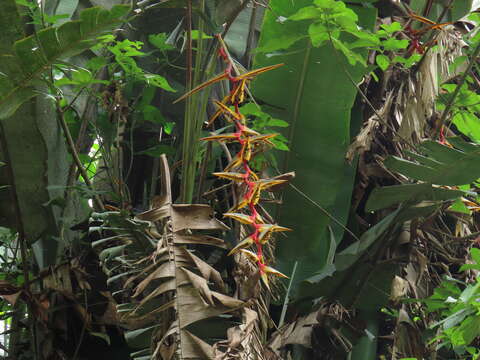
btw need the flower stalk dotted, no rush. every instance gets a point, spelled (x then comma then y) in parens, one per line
(239, 170)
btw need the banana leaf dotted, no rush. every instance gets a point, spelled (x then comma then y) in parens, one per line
(440, 164)
(315, 95)
(22, 67)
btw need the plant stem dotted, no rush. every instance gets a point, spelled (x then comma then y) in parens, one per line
(76, 159)
(185, 192)
(194, 110)
(449, 105)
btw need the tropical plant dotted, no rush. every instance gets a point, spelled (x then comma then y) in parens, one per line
(113, 239)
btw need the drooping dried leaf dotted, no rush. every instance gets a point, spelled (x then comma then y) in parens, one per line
(298, 332)
(195, 217)
(207, 271)
(172, 284)
(199, 239)
(195, 348)
(201, 285)
(192, 308)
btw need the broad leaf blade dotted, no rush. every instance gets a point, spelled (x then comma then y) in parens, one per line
(314, 95)
(34, 54)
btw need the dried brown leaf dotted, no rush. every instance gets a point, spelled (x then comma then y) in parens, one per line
(181, 239)
(165, 270)
(194, 347)
(207, 271)
(201, 285)
(298, 332)
(195, 217)
(192, 308)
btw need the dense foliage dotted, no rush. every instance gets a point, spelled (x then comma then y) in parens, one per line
(150, 151)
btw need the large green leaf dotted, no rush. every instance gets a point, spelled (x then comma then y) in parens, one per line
(440, 164)
(20, 69)
(25, 152)
(383, 197)
(315, 95)
(34, 149)
(63, 7)
(354, 279)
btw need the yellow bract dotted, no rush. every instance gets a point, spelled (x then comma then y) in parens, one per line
(251, 142)
(247, 76)
(242, 218)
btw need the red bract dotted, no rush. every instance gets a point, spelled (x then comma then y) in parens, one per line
(239, 169)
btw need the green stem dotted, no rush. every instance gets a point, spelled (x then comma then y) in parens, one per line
(194, 112)
(76, 159)
(451, 101)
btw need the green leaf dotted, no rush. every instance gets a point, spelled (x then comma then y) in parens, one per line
(391, 28)
(67, 7)
(468, 330)
(459, 9)
(160, 41)
(36, 152)
(383, 197)
(283, 41)
(308, 12)
(153, 114)
(54, 19)
(392, 44)
(127, 48)
(35, 54)
(80, 77)
(168, 127)
(457, 62)
(276, 122)
(96, 63)
(382, 61)
(158, 81)
(442, 165)
(158, 150)
(365, 39)
(468, 124)
(412, 60)
(280, 145)
(237, 35)
(470, 293)
(352, 57)
(29, 4)
(475, 254)
(302, 94)
(318, 34)
(351, 254)
(459, 207)
(195, 34)
(129, 65)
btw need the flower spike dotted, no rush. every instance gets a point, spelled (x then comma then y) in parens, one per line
(238, 170)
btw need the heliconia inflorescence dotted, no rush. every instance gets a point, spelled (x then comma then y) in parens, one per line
(239, 170)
